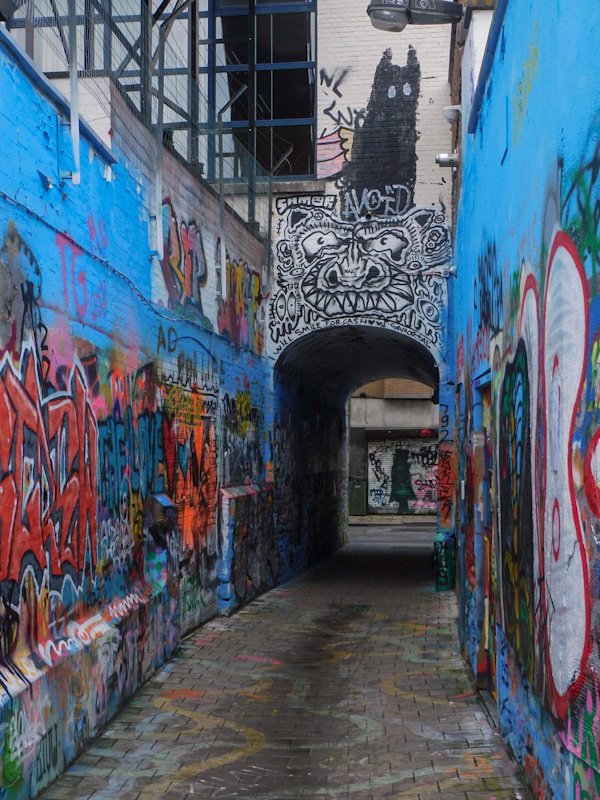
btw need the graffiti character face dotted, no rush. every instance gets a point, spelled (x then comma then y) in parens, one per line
(383, 270)
(352, 270)
(368, 267)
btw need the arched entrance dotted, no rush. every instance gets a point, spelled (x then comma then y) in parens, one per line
(316, 375)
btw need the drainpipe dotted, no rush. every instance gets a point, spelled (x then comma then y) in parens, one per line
(75, 174)
(222, 111)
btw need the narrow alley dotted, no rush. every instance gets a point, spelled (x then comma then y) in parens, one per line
(267, 266)
(346, 682)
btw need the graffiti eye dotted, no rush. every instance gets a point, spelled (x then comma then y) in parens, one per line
(313, 243)
(280, 306)
(333, 278)
(373, 273)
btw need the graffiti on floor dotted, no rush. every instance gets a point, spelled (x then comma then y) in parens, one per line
(209, 747)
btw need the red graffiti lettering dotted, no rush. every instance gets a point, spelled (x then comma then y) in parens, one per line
(47, 473)
(446, 480)
(63, 245)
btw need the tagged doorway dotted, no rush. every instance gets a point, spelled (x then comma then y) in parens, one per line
(402, 476)
(393, 449)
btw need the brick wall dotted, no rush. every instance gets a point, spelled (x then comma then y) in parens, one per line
(348, 52)
(135, 406)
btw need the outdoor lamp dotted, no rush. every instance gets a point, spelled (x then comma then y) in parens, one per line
(395, 15)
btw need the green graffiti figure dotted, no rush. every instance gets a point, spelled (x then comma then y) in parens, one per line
(12, 769)
(402, 490)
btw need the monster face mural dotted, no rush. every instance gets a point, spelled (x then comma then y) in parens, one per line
(351, 271)
(364, 255)
(382, 271)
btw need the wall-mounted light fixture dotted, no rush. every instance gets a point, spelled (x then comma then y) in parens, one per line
(451, 113)
(395, 15)
(447, 160)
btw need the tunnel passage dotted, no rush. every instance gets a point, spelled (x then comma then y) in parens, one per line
(316, 375)
(328, 364)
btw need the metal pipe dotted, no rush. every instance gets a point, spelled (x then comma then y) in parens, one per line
(220, 113)
(75, 174)
(59, 28)
(159, 141)
(252, 143)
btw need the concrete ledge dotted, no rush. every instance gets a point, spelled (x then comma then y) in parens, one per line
(390, 519)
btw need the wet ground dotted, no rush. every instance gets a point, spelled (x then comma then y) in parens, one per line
(345, 683)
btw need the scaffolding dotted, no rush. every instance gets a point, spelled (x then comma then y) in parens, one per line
(149, 49)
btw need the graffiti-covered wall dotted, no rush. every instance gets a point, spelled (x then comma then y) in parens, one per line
(382, 271)
(527, 403)
(402, 476)
(374, 247)
(379, 120)
(150, 469)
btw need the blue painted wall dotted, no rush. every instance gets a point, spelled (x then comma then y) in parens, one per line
(526, 306)
(149, 473)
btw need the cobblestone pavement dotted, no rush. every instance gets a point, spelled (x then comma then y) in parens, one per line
(345, 683)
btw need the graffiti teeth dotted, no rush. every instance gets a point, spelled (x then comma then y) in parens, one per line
(335, 305)
(388, 304)
(349, 302)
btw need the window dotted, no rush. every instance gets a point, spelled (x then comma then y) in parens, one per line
(268, 47)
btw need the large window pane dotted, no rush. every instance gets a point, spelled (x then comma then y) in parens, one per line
(272, 143)
(292, 94)
(291, 37)
(235, 34)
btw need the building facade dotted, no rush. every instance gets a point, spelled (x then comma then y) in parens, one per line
(525, 306)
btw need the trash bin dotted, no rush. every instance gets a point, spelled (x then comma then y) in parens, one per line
(443, 555)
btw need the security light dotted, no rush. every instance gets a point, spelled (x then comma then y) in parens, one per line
(451, 113)
(447, 160)
(395, 15)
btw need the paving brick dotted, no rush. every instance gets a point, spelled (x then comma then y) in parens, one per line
(331, 686)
